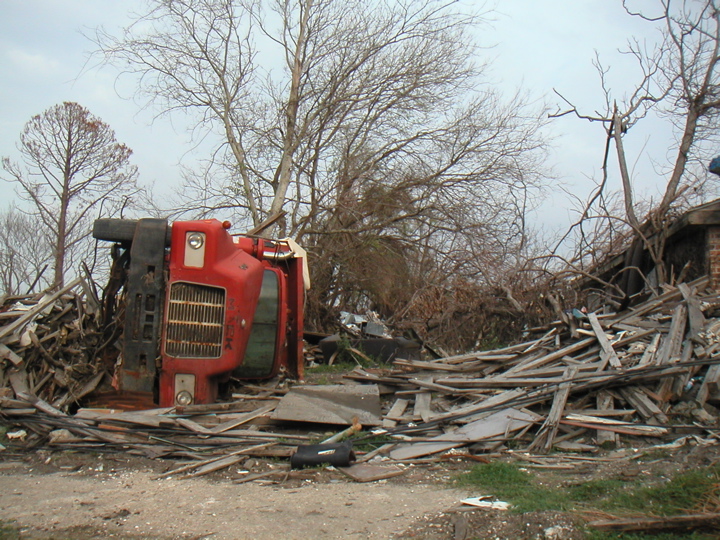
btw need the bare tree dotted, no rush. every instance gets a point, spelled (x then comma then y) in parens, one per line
(372, 128)
(681, 82)
(25, 253)
(73, 170)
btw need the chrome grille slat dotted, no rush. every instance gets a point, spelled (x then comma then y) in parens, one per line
(196, 314)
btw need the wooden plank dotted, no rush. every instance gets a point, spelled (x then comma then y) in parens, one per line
(545, 436)
(193, 426)
(396, 411)
(673, 342)
(243, 419)
(7, 354)
(684, 522)
(710, 384)
(696, 319)
(499, 424)
(648, 306)
(605, 404)
(608, 354)
(196, 465)
(468, 413)
(363, 472)
(648, 357)
(436, 366)
(7, 331)
(19, 382)
(331, 404)
(642, 403)
(594, 422)
(422, 403)
(75, 425)
(548, 358)
(216, 465)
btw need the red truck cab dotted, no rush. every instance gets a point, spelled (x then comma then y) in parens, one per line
(202, 305)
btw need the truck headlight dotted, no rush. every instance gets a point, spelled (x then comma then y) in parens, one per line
(184, 398)
(196, 240)
(194, 249)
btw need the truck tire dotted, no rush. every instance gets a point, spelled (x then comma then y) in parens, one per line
(115, 230)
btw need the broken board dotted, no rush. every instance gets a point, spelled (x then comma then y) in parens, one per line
(331, 404)
(498, 424)
(364, 472)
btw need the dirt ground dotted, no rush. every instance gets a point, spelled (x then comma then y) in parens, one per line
(81, 496)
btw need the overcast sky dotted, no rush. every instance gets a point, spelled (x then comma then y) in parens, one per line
(539, 45)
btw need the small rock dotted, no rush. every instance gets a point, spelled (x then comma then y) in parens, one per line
(557, 532)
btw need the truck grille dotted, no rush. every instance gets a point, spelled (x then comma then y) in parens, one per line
(196, 314)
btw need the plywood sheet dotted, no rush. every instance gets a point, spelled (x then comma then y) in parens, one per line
(331, 404)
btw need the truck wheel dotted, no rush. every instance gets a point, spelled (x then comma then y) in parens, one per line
(115, 230)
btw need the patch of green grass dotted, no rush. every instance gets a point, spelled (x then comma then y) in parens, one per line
(678, 495)
(507, 482)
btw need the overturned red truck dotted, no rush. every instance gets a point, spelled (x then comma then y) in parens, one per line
(202, 305)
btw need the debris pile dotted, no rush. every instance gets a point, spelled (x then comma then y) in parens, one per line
(52, 346)
(648, 374)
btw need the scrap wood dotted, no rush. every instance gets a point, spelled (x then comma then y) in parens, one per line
(7, 354)
(267, 474)
(331, 404)
(501, 423)
(684, 522)
(696, 318)
(395, 412)
(641, 402)
(7, 331)
(546, 435)
(243, 419)
(594, 422)
(605, 405)
(365, 472)
(220, 459)
(608, 353)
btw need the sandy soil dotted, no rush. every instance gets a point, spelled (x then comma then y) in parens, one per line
(129, 503)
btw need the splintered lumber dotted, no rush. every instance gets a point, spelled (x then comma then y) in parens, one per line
(364, 472)
(217, 465)
(21, 321)
(565, 351)
(605, 405)
(395, 412)
(546, 435)
(243, 419)
(641, 402)
(331, 404)
(226, 459)
(696, 319)
(608, 354)
(683, 522)
(423, 400)
(7, 354)
(628, 428)
(709, 384)
(671, 345)
(75, 425)
(500, 424)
